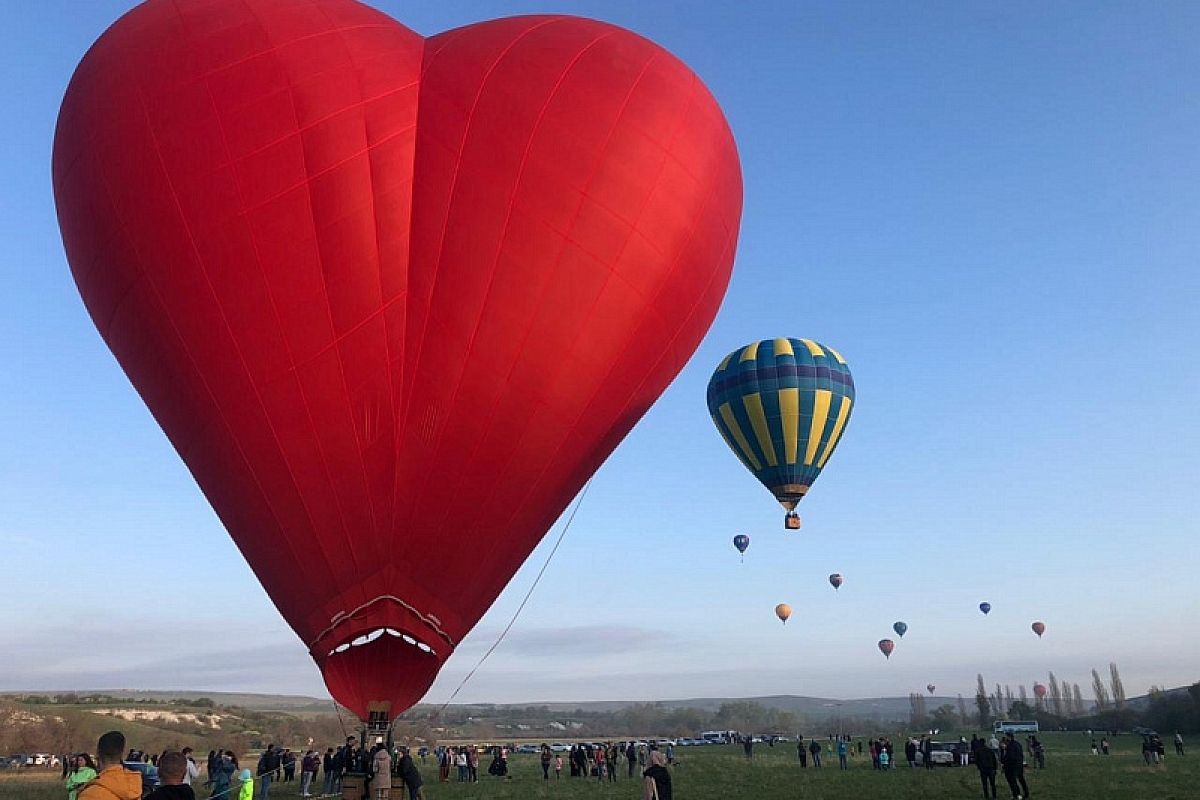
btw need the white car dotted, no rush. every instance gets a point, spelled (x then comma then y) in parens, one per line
(559, 747)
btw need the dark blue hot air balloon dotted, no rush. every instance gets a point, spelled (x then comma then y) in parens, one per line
(900, 628)
(985, 607)
(741, 542)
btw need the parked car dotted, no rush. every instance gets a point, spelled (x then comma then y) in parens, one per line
(943, 753)
(528, 748)
(559, 747)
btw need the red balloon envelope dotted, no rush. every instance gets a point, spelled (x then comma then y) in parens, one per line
(1039, 690)
(392, 299)
(1039, 628)
(886, 646)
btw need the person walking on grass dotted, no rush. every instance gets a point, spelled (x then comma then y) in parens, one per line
(113, 782)
(1013, 762)
(985, 762)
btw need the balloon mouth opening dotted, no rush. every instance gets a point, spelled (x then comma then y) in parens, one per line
(369, 637)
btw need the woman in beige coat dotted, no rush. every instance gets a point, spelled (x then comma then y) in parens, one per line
(381, 768)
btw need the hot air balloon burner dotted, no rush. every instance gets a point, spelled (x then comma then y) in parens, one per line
(379, 717)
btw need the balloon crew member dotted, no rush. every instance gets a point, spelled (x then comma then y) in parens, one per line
(985, 762)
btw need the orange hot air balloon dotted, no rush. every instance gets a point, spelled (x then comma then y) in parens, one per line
(1039, 628)
(392, 299)
(886, 646)
(835, 580)
(783, 611)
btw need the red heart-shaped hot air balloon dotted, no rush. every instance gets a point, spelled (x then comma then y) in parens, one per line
(392, 299)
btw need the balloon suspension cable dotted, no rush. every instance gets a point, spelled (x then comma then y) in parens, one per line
(525, 600)
(341, 721)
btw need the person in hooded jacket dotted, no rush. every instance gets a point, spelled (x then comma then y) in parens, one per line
(381, 769)
(172, 770)
(114, 781)
(246, 788)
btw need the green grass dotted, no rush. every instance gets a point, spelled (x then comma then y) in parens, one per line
(720, 773)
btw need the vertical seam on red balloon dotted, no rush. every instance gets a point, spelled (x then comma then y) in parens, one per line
(420, 344)
(517, 506)
(362, 461)
(701, 299)
(183, 344)
(553, 93)
(217, 303)
(654, 54)
(299, 384)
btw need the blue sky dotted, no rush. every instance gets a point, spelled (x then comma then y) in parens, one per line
(992, 210)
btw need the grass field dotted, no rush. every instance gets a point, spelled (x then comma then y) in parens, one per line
(720, 773)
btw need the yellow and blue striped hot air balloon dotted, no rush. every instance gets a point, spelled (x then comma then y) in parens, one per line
(782, 405)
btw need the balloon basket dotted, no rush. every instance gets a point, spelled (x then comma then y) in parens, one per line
(354, 786)
(791, 521)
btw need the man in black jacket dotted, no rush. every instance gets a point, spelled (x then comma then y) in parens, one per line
(172, 768)
(985, 762)
(1013, 761)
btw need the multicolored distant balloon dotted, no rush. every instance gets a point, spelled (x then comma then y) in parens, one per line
(930, 687)
(783, 611)
(985, 607)
(1039, 690)
(356, 310)
(781, 406)
(835, 580)
(900, 628)
(1039, 628)
(886, 646)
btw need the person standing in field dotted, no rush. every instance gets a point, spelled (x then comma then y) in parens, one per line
(1104, 746)
(308, 772)
(748, 746)
(1013, 762)
(802, 752)
(815, 750)
(245, 785)
(327, 765)
(82, 770)
(114, 782)
(630, 757)
(547, 759)
(558, 768)
(985, 762)
(406, 768)
(656, 779)
(172, 769)
(381, 769)
(842, 750)
(614, 756)
(1178, 744)
(221, 775)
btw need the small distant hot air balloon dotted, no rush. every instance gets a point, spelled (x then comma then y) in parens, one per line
(741, 542)
(1039, 690)
(782, 405)
(985, 607)
(1039, 628)
(835, 580)
(930, 687)
(886, 646)
(900, 628)
(783, 611)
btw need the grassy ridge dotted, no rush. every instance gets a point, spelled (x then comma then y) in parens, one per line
(719, 773)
